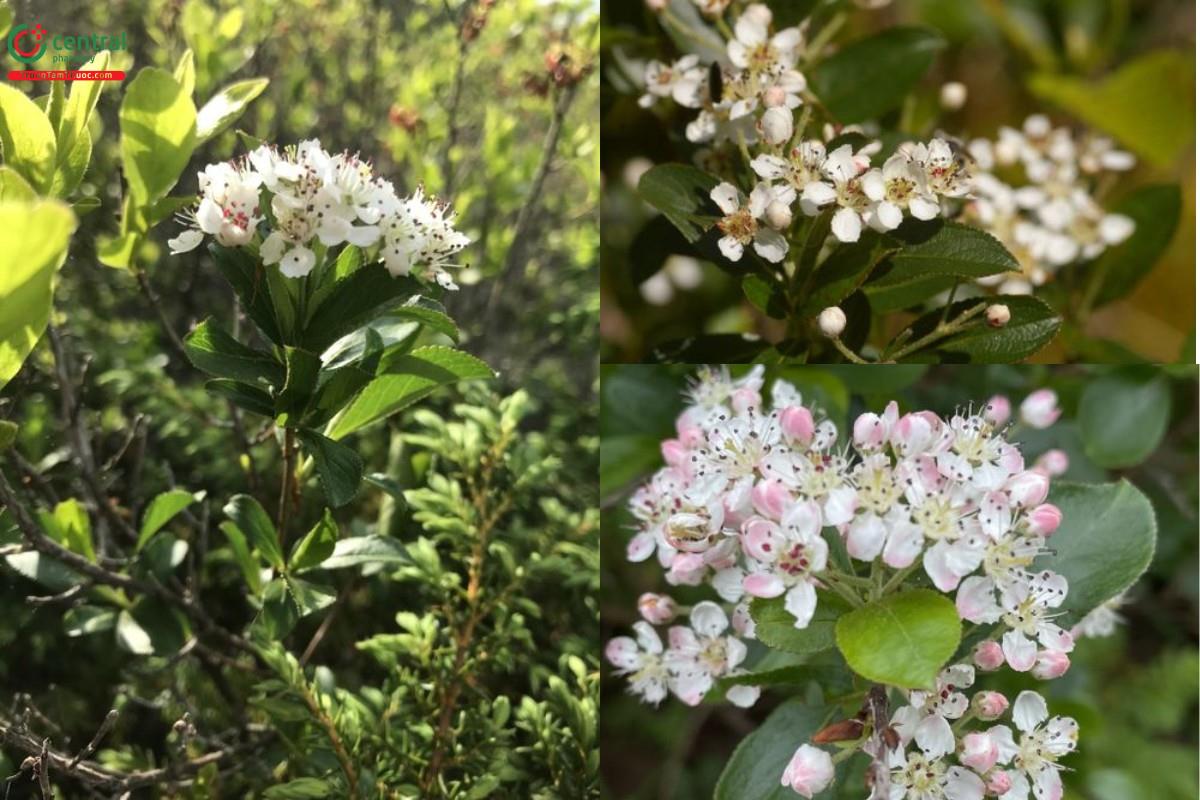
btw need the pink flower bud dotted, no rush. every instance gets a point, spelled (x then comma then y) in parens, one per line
(673, 452)
(809, 771)
(979, 752)
(988, 656)
(744, 399)
(870, 431)
(1040, 409)
(657, 609)
(998, 783)
(1028, 488)
(1053, 463)
(998, 410)
(1050, 664)
(770, 498)
(1045, 519)
(797, 424)
(690, 434)
(989, 705)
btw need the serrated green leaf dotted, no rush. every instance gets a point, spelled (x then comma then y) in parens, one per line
(1032, 326)
(844, 270)
(79, 107)
(1104, 544)
(243, 395)
(339, 467)
(901, 640)
(752, 772)
(776, 627)
(214, 351)
(249, 516)
(358, 550)
(316, 545)
(241, 555)
(352, 302)
(248, 279)
(162, 509)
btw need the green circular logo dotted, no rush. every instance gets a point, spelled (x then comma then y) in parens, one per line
(27, 43)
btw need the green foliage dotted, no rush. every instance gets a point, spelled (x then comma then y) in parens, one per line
(776, 627)
(754, 768)
(871, 76)
(1123, 416)
(901, 639)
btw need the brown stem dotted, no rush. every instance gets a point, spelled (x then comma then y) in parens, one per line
(331, 733)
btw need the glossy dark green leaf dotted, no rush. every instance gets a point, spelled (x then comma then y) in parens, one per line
(86, 620)
(309, 597)
(657, 241)
(252, 519)
(871, 76)
(1104, 544)
(316, 545)
(844, 270)
(217, 353)
(681, 193)
(623, 459)
(243, 395)
(150, 627)
(352, 302)
(752, 772)
(901, 640)
(303, 369)
(1032, 326)
(358, 550)
(241, 555)
(766, 295)
(248, 279)
(1155, 210)
(944, 248)
(1123, 416)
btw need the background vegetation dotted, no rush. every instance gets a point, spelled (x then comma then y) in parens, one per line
(433, 690)
(1134, 693)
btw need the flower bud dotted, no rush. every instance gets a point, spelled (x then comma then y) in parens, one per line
(988, 656)
(953, 96)
(1053, 463)
(1040, 409)
(989, 705)
(1050, 664)
(998, 315)
(832, 321)
(809, 771)
(657, 609)
(998, 783)
(979, 752)
(1028, 488)
(673, 452)
(779, 215)
(1045, 519)
(776, 125)
(745, 399)
(689, 433)
(998, 410)
(770, 498)
(796, 422)
(774, 97)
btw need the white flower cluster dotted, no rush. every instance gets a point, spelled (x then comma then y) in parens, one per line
(307, 196)
(992, 760)
(1035, 190)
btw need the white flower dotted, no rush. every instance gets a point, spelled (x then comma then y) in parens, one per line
(642, 660)
(899, 187)
(1027, 609)
(1044, 740)
(419, 232)
(802, 167)
(809, 771)
(925, 718)
(776, 125)
(740, 225)
(700, 654)
(754, 49)
(918, 776)
(684, 82)
(228, 208)
(792, 552)
(843, 169)
(945, 173)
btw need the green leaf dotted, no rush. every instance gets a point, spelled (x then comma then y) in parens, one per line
(339, 467)
(72, 166)
(158, 134)
(150, 627)
(429, 314)
(309, 597)
(1123, 416)
(944, 248)
(279, 612)
(303, 369)
(764, 294)
(844, 270)
(162, 509)
(869, 77)
(243, 395)
(776, 627)
(885, 297)
(623, 459)
(407, 379)
(1104, 544)
(1149, 104)
(316, 546)
(162, 555)
(47, 571)
(214, 351)
(185, 72)
(352, 302)
(33, 244)
(1032, 326)
(681, 192)
(14, 188)
(225, 106)
(247, 277)
(73, 528)
(86, 620)
(1155, 210)
(250, 517)
(299, 789)
(752, 772)
(714, 348)
(902, 640)
(79, 108)
(27, 138)
(359, 550)
(8, 434)
(241, 554)
(6, 18)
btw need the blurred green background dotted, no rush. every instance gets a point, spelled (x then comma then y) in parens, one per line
(1123, 67)
(1134, 693)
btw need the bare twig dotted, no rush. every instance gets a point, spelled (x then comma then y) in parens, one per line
(110, 719)
(323, 629)
(164, 320)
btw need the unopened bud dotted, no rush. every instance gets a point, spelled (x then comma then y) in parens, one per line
(832, 321)
(998, 410)
(1053, 463)
(998, 783)
(1045, 519)
(776, 125)
(979, 752)
(1028, 488)
(1050, 664)
(657, 609)
(998, 315)
(796, 422)
(989, 705)
(953, 96)
(1040, 409)
(988, 656)
(779, 215)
